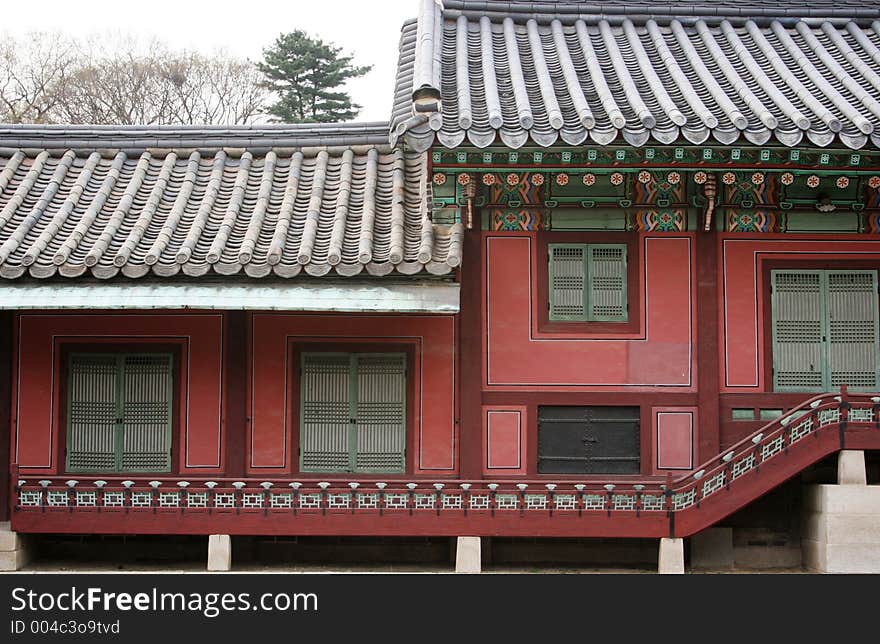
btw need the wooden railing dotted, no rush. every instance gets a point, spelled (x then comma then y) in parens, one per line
(632, 507)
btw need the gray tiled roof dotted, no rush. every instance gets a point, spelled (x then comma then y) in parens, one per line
(199, 200)
(580, 72)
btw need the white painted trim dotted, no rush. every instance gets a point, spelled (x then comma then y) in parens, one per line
(658, 417)
(413, 297)
(519, 434)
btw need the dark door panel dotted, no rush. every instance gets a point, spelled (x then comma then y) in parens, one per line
(588, 440)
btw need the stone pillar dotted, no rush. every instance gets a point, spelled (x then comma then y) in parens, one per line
(219, 552)
(712, 549)
(467, 555)
(851, 467)
(671, 560)
(840, 532)
(14, 551)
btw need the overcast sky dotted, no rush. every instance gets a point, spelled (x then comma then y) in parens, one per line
(367, 28)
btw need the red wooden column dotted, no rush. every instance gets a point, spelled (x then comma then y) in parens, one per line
(235, 423)
(470, 370)
(5, 409)
(707, 346)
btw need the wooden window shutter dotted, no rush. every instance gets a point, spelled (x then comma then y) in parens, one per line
(852, 329)
(92, 413)
(607, 279)
(326, 412)
(119, 412)
(381, 413)
(798, 330)
(146, 404)
(567, 280)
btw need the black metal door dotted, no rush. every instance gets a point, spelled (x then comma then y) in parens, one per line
(588, 440)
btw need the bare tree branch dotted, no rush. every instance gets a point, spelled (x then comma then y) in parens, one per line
(45, 78)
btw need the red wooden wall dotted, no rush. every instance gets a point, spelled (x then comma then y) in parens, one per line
(37, 396)
(744, 359)
(5, 409)
(274, 339)
(234, 417)
(650, 362)
(743, 297)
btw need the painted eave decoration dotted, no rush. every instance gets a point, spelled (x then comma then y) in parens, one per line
(259, 201)
(753, 72)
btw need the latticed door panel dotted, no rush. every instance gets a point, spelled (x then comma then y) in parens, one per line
(92, 413)
(825, 330)
(568, 275)
(607, 279)
(326, 412)
(146, 412)
(798, 330)
(381, 412)
(119, 412)
(353, 412)
(852, 329)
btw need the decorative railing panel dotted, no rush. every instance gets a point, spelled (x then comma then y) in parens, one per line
(740, 466)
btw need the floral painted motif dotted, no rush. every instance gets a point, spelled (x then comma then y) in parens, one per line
(842, 182)
(729, 178)
(758, 178)
(674, 178)
(616, 178)
(812, 181)
(439, 178)
(701, 178)
(787, 178)
(537, 179)
(874, 182)
(589, 179)
(489, 179)
(464, 179)
(512, 179)
(645, 176)
(561, 179)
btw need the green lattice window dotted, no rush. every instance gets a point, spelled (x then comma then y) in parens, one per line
(119, 412)
(353, 412)
(825, 330)
(588, 282)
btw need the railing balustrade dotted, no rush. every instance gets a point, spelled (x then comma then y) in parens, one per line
(629, 496)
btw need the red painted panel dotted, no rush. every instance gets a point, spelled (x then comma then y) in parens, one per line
(741, 296)
(661, 357)
(504, 447)
(674, 437)
(38, 400)
(434, 419)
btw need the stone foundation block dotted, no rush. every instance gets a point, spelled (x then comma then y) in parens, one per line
(671, 560)
(219, 552)
(851, 468)
(467, 555)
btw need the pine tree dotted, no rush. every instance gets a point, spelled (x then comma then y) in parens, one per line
(304, 72)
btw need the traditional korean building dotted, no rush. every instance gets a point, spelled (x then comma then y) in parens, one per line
(610, 271)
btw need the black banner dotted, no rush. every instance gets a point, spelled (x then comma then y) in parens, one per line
(216, 608)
